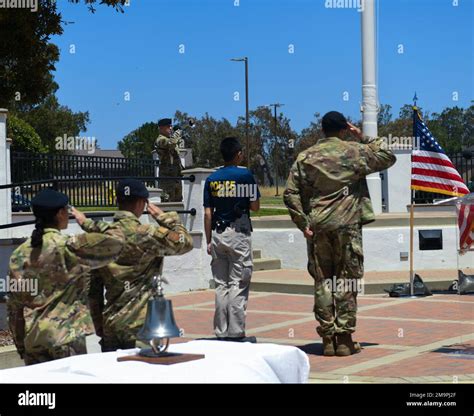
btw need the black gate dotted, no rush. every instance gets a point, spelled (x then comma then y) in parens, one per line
(27, 167)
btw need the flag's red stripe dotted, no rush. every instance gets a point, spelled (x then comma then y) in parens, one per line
(466, 232)
(433, 160)
(439, 186)
(436, 173)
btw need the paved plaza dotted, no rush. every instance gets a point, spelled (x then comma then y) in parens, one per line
(404, 340)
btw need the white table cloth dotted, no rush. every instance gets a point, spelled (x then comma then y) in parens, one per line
(225, 362)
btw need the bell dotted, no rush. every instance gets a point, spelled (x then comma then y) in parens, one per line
(159, 324)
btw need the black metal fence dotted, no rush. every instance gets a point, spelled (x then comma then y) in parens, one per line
(27, 167)
(464, 163)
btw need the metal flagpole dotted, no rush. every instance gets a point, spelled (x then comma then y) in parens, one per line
(369, 94)
(412, 213)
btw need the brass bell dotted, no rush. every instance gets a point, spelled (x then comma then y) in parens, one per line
(159, 324)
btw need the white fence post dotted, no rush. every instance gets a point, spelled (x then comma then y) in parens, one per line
(5, 176)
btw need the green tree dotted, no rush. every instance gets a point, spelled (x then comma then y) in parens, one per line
(24, 137)
(27, 57)
(453, 128)
(51, 120)
(205, 137)
(140, 142)
(310, 135)
(270, 143)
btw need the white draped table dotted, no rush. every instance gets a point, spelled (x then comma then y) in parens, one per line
(225, 362)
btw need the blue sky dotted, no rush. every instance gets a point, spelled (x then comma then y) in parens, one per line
(138, 52)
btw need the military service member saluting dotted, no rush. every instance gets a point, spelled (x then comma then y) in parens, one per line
(128, 280)
(328, 200)
(53, 322)
(167, 146)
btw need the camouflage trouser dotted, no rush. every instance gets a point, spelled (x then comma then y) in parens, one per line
(336, 262)
(113, 342)
(77, 347)
(172, 189)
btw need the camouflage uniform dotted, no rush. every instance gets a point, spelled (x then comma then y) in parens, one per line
(128, 280)
(53, 323)
(170, 165)
(327, 192)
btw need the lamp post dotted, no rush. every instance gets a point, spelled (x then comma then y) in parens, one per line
(275, 106)
(246, 61)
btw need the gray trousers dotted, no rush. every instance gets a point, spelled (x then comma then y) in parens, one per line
(232, 268)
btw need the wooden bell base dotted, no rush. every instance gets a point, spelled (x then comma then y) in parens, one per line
(165, 359)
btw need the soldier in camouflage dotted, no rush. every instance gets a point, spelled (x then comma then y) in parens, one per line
(328, 200)
(167, 146)
(128, 280)
(52, 321)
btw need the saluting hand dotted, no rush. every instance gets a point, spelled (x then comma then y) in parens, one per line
(308, 233)
(153, 209)
(354, 130)
(78, 215)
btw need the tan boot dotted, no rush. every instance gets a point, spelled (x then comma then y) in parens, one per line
(329, 346)
(345, 345)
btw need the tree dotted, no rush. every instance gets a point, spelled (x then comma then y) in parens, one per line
(385, 114)
(310, 135)
(140, 143)
(269, 143)
(453, 128)
(24, 137)
(51, 120)
(205, 138)
(27, 57)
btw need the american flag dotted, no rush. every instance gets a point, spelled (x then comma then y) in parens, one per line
(431, 169)
(466, 223)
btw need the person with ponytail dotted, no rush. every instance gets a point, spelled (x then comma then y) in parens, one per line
(48, 315)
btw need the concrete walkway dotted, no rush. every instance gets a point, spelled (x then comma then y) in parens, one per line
(300, 281)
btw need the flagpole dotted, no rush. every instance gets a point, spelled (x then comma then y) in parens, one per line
(412, 273)
(412, 213)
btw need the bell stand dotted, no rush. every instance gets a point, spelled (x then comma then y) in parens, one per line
(158, 354)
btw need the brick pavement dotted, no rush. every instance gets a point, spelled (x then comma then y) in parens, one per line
(404, 340)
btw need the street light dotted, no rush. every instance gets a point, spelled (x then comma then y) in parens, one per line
(275, 106)
(246, 60)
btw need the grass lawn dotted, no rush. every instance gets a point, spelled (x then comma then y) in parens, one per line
(268, 196)
(261, 213)
(269, 211)
(100, 209)
(272, 200)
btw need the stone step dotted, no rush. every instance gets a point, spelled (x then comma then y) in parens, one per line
(300, 282)
(260, 264)
(257, 254)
